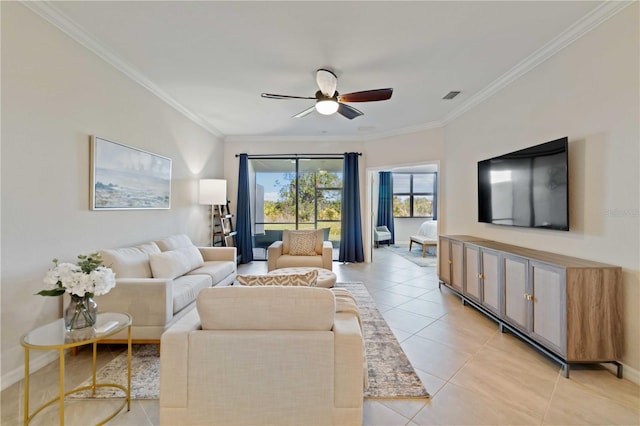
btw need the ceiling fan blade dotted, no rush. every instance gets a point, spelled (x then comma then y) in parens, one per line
(367, 96)
(327, 82)
(272, 96)
(349, 111)
(305, 112)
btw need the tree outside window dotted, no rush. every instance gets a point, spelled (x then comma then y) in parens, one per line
(308, 199)
(414, 194)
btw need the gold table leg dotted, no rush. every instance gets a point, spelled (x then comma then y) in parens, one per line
(93, 368)
(61, 380)
(129, 368)
(26, 386)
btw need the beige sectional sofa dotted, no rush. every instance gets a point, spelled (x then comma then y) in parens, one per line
(157, 282)
(265, 355)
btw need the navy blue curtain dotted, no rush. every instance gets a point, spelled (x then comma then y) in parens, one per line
(244, 244)
(351, 249)
(435, 196)
(385, 202)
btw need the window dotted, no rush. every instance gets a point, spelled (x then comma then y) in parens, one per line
(298, 193)
(415, 194)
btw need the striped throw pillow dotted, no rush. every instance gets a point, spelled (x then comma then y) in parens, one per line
(310, 279)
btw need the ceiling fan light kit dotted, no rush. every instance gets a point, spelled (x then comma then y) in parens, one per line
(329, 101)
(327, 106)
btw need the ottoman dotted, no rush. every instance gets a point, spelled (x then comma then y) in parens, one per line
(326, 278)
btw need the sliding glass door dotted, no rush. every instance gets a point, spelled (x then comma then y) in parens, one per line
(295, 193)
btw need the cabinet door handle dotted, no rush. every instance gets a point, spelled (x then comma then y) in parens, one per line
(528, 296)
(451, 262)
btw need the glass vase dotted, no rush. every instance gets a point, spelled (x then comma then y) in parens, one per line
(81, 313)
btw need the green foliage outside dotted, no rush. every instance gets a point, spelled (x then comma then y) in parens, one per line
(422, 206)
(325, 188)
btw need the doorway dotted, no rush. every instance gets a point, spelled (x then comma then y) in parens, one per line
(414, 202)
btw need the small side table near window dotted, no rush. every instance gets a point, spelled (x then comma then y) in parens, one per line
(53, 336)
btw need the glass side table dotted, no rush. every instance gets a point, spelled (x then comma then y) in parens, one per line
(53, 336)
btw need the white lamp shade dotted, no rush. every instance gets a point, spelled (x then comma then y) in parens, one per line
(213, 191)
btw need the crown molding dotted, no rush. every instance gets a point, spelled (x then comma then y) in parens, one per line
(581, 27)
(53, 15)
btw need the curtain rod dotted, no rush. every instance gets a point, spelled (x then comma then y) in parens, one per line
(294, 155)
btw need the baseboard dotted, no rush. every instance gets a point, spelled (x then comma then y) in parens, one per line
(35, 364)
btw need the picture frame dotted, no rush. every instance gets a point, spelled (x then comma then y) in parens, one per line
(128, 178)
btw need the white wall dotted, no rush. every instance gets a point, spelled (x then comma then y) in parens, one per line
(590, 93)
(55, 93)
(426, 147)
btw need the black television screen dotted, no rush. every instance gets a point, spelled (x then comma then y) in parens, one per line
(526, 188)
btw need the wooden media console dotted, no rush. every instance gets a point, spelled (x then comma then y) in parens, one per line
(569, 308)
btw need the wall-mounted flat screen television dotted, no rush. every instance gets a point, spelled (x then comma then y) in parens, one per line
(528, 188)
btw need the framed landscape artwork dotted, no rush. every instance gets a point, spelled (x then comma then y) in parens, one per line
(124, 178)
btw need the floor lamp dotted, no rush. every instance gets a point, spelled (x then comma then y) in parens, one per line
(213, 192)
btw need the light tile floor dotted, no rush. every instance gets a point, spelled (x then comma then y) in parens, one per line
(474, 373)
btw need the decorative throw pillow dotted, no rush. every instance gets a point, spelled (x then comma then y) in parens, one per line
(130, 262)
(310, 279)
(174, 242)
(169, 264)
(320, 240)
(193, 255)
(302, 243)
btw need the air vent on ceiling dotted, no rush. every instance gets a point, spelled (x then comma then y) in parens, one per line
(451, 95)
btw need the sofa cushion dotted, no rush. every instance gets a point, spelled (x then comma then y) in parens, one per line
(288, 261)
(309, 279)
(187, 288)
(266, 308)
(130, 262)
(174, 242)
(216, 269)
(169, 264)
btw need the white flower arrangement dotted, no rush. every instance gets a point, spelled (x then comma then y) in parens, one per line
(86, 279)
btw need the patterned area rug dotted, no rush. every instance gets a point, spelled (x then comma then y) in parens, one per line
(145, 375)
(415, 255)
(391, 375)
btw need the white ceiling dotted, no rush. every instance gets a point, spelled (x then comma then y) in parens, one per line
(212, 60)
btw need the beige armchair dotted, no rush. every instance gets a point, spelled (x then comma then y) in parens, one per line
(301, 248)
(266, 355)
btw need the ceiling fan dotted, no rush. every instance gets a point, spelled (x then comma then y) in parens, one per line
(329, 101)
